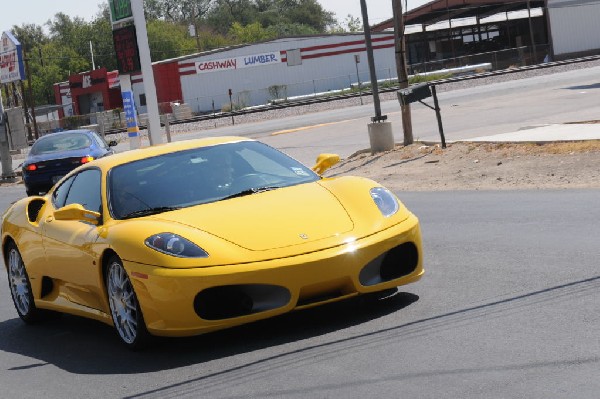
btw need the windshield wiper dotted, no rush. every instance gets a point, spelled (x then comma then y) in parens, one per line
(251, 191)
(150, 211)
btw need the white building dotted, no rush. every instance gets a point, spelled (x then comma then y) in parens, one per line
(261, 72)
(574, 27)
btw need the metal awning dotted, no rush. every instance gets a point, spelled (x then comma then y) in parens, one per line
(438, 11)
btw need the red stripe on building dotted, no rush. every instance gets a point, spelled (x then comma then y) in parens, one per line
(347, 51)
(345, 44)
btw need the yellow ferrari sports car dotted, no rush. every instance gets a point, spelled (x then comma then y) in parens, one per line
(200, 235)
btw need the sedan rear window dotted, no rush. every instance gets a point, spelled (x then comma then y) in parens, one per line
(60, 142)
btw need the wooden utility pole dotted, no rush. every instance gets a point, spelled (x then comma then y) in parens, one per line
(31, 99)
(401, 68)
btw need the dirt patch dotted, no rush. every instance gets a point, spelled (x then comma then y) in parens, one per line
(476, 166)
(480, 166)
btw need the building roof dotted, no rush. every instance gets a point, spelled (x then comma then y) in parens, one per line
(443, 10)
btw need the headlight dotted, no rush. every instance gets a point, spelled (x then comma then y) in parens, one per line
(385, 201)
(172, 244)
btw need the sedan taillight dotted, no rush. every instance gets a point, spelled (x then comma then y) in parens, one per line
(86, 159)
(31, 167)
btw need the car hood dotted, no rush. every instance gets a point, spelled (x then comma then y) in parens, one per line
(280, 218)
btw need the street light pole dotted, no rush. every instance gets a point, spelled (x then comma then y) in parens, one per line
(381, 136)
(139, 21)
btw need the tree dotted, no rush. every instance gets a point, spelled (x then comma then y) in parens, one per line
(30, 35)
(350, 24)
(168, 40)
(308, 12)
(177, 10)
(251, 33)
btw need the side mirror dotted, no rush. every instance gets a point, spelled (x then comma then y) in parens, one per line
(77, 212)
(324, 162)
(112, 143)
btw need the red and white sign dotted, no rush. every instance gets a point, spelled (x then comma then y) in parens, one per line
(11, 59)
(245, 61)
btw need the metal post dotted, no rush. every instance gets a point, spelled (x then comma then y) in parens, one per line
(438, 115)
(101, 127)
(167, 127)
(231, 107)
(5, 157)
(356, 61)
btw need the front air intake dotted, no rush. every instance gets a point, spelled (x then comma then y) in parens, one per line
(397, 262)
(229, 301)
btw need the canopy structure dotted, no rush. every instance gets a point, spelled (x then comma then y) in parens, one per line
(449, 33)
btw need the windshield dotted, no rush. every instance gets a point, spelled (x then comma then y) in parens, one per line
(60, 142)
(201, 175)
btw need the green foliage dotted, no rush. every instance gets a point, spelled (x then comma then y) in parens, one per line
(250, 33)
(292, 29)
(176, 10)
(428, 78)
(30, 36)
(169, 40)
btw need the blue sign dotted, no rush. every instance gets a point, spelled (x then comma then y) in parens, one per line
(130, 115)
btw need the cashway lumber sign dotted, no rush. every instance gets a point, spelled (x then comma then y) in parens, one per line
(12, 67)
(238, 62)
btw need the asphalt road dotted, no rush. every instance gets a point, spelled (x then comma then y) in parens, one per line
(466, 113)
(508, 308)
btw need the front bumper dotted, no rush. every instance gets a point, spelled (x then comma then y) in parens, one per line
(167, 296)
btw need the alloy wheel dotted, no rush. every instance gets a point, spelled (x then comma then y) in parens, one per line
(123, 303)
(19, 283)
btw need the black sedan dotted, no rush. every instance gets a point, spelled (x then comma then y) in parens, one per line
(56, 154)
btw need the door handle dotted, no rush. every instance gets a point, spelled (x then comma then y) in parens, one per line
(49, 219)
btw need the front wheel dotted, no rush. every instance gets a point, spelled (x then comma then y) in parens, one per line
(124, 307)
(20, 287)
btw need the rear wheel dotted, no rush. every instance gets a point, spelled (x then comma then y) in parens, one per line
(20, 287)
(124, 306)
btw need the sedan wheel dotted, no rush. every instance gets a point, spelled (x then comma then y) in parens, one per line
(124, 307)
(20, 287)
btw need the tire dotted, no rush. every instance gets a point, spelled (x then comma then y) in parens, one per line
(20, 287)
(124, 306)
(31, 191)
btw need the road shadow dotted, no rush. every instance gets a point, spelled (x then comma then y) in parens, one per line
(584, 87)
(305, 357)
(85, 346)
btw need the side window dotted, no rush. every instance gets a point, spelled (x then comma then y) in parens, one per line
(263, 164)
(85, 190)
(60, 194)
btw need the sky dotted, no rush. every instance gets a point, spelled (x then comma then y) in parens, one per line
(15, 12)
